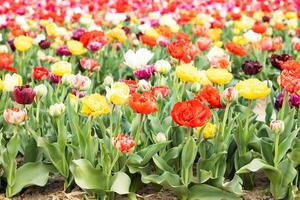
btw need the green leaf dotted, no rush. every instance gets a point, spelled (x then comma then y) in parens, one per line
(168, 180)
(120, 183)
(55, 155)
(207, 192)
(161, 164)
(88, 177)
(189, 152)
(30, 174)
(286, 144)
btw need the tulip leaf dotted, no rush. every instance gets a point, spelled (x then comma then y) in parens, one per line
(120, 183)
(286, 144)
(207, 192)
(30, 174)
(88, 177)
(189, 152)
(167, 180)
(161, 164)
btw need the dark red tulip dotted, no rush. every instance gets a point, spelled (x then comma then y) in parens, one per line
(24, 94)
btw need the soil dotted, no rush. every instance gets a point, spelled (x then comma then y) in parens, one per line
(54, 191)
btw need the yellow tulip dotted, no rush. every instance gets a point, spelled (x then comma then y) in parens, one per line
(215, 34)
(23, 43)
(219, 75)
(94, 105)
(187, 73)
(252, 89)
(51, 29)
(209, 131)
(76, 47)
(118, 93)
(61, 68)
(153, 33)
(291, 15)
(240, 40)
(116, 34)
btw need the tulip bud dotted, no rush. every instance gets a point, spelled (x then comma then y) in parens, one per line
(144, 85)
(67, 79)
(230, 94)
(160, 137)
(41, 90)
(195, 87)
(57, 109)
(277, 126)
(108, 80)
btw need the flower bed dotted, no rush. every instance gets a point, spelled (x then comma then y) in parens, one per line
(192, 99)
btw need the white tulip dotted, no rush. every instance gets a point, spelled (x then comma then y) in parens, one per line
(138, 59)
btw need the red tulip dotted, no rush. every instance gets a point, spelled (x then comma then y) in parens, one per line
(191, 113)
(40, 73)
(143, 103)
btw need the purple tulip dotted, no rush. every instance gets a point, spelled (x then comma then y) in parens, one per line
(63, 51)
(145, 72)
(24, 94)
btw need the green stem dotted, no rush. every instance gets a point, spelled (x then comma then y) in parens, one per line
(246, 132)
(113, 163)
(138, 133)
(111, 120)
(276, 161)
(225, 119)
(38, 110)
(183, 90)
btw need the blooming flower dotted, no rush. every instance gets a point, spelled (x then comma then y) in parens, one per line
(39, 73)
(145, 72)
(138, 59)
(10, 81)
(251, 67)
(219, 75)
(144, 103)
(76, 47)
(94, 105)
(24, 94)
(191, 113)
(252, 89)
(209, 131)
(89, 64)
(209, 95)
(61, 68)
(14, 115)
(23, 43)
(187, 73)
(118, 94)
(124, 143)
(162, 66)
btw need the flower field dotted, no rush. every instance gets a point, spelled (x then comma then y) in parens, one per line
(194, 97)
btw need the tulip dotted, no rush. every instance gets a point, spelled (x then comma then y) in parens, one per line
(95, 105)
(251, 67)
(209, 131)
(61, 68)
(76, 47)
(89, 64)
(277, 126)
(23, 43)
(162, 66)
(41, 90)
(10, 81)
(161, 137)
(56, 109)
(138, 59)
(14, 115)
(145, 72)
(124, 143)
(230, 94)
(118, 94)
(24, 94)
